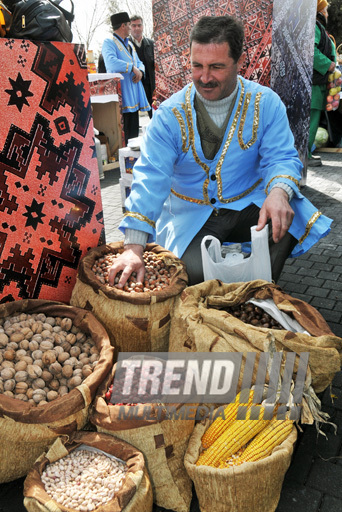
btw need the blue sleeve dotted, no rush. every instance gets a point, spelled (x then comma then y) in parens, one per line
(152, 174)
(113, 63)
(279, 160)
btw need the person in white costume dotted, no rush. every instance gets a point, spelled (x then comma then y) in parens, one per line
(217, 158)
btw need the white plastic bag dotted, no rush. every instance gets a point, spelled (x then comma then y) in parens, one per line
(235, 270)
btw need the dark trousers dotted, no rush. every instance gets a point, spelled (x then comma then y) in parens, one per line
(131, 125)
(233, 226)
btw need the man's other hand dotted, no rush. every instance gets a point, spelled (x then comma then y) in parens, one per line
(277, 208)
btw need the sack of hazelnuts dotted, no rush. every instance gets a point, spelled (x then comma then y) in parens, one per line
(217, 317)
(53, 357)
(136, 318)
(162, 440)
(88, 472)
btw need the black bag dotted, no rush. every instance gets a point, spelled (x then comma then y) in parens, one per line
(41, 20)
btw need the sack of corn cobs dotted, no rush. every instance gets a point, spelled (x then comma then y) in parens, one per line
(53, 357)
(162, 441)
(90, 471)
(201, 323)
(238, 465)
(136, 320)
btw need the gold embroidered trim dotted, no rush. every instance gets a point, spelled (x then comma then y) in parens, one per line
(189, 119)
(226, 146)
(309, 225)
(138, 216)
(250, 143)
(187, 198)
(231, 200)
(122, 48)
(291, 178)
(185, 143)
(205, 167)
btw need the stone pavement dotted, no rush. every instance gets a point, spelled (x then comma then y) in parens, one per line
(313, 481)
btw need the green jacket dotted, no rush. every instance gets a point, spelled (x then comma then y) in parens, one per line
(321, 64)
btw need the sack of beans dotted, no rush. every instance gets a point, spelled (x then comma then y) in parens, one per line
(53, 357)
(249, 476)
(89, 472)
(217, 317)
(162, 440)
(137, 318)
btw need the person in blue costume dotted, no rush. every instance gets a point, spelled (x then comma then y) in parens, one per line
(120, 56)
(217, 158)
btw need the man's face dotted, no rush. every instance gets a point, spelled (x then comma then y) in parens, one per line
(127, 29)
(137, 29)
(214, 72)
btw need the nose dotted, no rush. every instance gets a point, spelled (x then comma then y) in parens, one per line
(205, 75)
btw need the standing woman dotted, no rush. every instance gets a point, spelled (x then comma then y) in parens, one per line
(324, 63)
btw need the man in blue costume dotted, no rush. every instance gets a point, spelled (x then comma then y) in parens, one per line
(217, 158)
(120, 56)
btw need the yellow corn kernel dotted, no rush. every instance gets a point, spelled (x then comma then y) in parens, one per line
(233, 438)
(230, 412)
(270, 437)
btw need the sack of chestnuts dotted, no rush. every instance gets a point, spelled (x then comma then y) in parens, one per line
(213, 316)
(53, 358)
(136, 318)
(89, 472)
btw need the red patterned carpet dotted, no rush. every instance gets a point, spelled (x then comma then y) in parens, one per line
(173, 20)
(50, 201)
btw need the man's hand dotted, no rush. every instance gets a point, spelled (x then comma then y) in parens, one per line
(131, 260)
(332, 66)
(277, 208)
(137, 75)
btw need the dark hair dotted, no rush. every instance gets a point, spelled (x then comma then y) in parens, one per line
(136, 17)
(118, 25)
(218, 30)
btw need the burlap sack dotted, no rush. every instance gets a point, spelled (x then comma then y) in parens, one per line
(162, 441)
(134, 496)
(135, 322)
(254, 486)
(27, 430)
(198, 327)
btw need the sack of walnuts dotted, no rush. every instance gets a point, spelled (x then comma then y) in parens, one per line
(136, 318)
(53, 359)
(90, 471)
(208, 318)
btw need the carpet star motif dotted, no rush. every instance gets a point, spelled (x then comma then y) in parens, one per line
(34, 214)
(19, 92)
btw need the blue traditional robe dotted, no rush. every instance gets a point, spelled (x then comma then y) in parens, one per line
(118, 59)
(175, 188)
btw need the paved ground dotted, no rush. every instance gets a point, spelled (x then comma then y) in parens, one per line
(313, 481)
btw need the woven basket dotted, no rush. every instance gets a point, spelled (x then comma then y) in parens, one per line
(162, 441)
(135, 495)
(339, 54)
(26, 431)
(135, 322)
(252, 486)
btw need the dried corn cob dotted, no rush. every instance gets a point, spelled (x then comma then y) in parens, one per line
(233, 460)
(270, 437)
(220, 425)
(232, 439)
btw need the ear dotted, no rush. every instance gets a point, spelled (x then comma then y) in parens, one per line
(241, 61)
